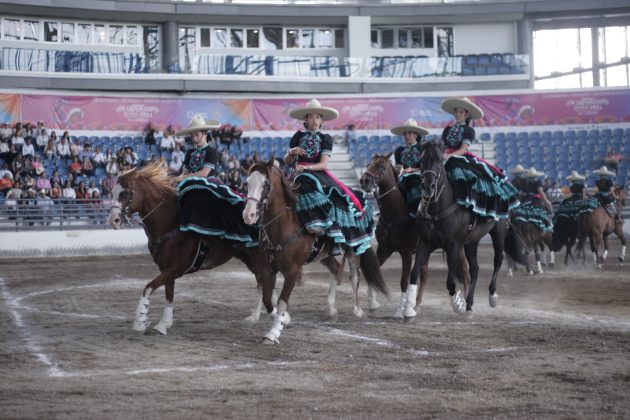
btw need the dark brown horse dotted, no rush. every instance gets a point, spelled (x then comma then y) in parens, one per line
(150, 193)
(565, 234)
(395, 231)
(598, 225)
(534, 239)
(271, 201)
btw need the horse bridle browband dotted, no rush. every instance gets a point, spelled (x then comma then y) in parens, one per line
(376, 178)
(433, 198)
(125, 211)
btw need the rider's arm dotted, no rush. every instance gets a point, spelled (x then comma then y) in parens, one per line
(544, 198)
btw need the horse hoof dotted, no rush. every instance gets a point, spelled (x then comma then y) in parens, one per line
(494, 300)
(286, 319)
(530, 272)
(398, 315)
(249, 322)
(161, 328)
(510, 273)
(458, 303)
(268, 342)
(409, 318)
(140, 326)
(599, 266)
(374, 306)
(552, 265)
(358, 312)
(469, 313)
(333, 315)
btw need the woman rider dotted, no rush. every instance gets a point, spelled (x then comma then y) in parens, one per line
(570, 207)
(605, 195)
(326, 207)
(407, 157)
(536, 206)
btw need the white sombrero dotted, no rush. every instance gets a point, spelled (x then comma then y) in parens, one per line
(410, 125)
(575, 176)
(604, 171)
(314, 107)
(518, 169)
(449, 105)
(198, 124)
(533, 173)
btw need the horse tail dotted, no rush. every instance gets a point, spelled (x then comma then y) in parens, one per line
(372, 272)
(515, 246)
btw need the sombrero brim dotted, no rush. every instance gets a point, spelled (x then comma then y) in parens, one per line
(534, 174)
(401, 130)
(210, 125)
(517, 170)
(326, 113)
(450, 104)
(576, 178)
(606, 173)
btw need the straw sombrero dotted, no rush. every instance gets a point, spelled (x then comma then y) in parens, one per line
(410, 125)
(198, 124)
(533, 173)
(518, 169)
(604, 171)
(449, 105)
(314, 107)
(575, 176)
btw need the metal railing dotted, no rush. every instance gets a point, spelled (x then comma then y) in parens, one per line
(60, 214)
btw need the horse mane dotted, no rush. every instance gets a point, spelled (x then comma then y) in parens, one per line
(431, 153)
(155, 175)
(287, 186)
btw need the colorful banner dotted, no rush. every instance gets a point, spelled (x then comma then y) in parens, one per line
(120, 113)
(130, 113)
(10, 108)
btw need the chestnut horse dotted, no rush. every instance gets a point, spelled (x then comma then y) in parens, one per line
(534, 239)
(443, 223)
(151, 193)
(395, 231)
(270, 201)
(598, 225)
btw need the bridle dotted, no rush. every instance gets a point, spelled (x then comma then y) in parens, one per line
(126, 216)
(375, 178)
(434, 197)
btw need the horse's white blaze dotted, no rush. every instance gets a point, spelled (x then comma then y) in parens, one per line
(255, 185)
(114, 219)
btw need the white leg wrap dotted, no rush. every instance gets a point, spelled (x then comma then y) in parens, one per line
(276, 329)
(458, 303)
(622, 256)
(373, 302)
(539, 268)
(410, 301)
(510, 273)
(332, 305)
(552, 258)
(141, 322)
(494, 300)
(255, 316)
(605, 255)
(401, 306)
(167, 320)
(595, 258)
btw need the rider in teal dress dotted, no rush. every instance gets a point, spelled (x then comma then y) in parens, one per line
(570, 207)
(535, 207)
(605, 196)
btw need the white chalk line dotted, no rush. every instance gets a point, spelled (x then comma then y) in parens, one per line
(31, 342)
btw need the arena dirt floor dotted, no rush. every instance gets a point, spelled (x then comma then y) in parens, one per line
(557, 346)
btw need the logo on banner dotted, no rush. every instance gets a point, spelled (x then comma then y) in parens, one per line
(138, 112)
(588, 106)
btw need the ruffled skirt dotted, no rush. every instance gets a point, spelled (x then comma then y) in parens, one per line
(533, 212)
(409, 186)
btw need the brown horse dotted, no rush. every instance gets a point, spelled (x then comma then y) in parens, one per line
(534, 239)
(395, 231)
(598, 225)
(270, 201)
(151, 194)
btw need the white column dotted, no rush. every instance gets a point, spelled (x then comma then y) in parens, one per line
(359, 41)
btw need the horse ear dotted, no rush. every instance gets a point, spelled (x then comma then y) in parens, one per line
(387, 156)
(271, 161)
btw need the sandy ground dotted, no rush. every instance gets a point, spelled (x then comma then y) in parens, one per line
(557, 346)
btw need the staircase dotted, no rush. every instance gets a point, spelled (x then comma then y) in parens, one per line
(342, 167)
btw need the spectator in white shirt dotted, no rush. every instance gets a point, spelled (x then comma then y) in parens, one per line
(28, 151)
(41, 140)
(168, 141)
(178, 152)
(99, 158)
(175, 166)
(63, 149)
(18, 138)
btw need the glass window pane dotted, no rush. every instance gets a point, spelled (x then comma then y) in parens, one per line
(556, 51)
(31, 30)
(374, 36)
(186, 48)
(116, 35)
(219, 38)
(340, 38)
(307, 38)
(236, 38)
(151, 43)
(100, 35)
(615, 44)
(293, 38)
(427, 35)
(403, 38)
(204, 37)
(586, 49)
(416, 38)
(132, 35)
(617, 76)
(12, 29)
(67, 33)
(84, 33)
(324, 38)
(445, 42)
(50, 31)
(387, 38)
(587, 79)
(272, 38)
(253, 38)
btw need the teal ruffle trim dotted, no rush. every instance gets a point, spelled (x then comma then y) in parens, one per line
(309, 201)
(589, 205)
(569, 208)
(220, 233)
(221, 191)
(497, 188)
(332, 190)
(533, 214)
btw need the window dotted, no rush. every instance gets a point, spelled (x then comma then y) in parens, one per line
(293, 35)
(445, 42)
(84, 33)
(67, 33)
(253, 38)
(427, 37)
(340, 38)
(132, 35)
(307, 38)
(403, 38)
(236, 38)
(187, 41)
(416, 38)
(324, 38)
(12, 29)
(50, 31)
(387, 38)
(219, 38)
(374, 38)
(31, 30)
(204, 37)
(272, 38)
(151, 42)
(100, 34)
(116, 35)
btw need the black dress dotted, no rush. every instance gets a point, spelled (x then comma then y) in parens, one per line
(409, 183)
(208, 206)
(532, 210)
(570, 207)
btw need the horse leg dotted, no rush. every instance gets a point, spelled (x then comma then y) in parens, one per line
(423, 251)
(622, 238)
(291, 277)
(473, 266)
(511, 267)
(354, 280)
(539, 269)
(452, 260)
(498, 243)
(424, 276)
(404, 282)
(167, 317)
(141, 321)
(605, 253)
(382, 253)
(333, 266)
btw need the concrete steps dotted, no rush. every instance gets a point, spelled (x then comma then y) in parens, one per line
(342, 167)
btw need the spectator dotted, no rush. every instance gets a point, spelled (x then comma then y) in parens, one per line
(55, 177)
(350, 135)
(82, 193)
(612, 159)
(93, 188)
(38, 166)
(45, 205)
(75, 147)
(4, 150)
(6, 183)
(555, 195)
(53, 137)
(43, 183)
(109, 155)
(99, 158)
(28, 131)
(18, 139)
(41, 140)
(547, 184)
(175, 167)
(40, 127)
(234, 181)
(255, 157)
(55, 191)
(86, 167)
(28, 182)
(28, 151)
(50, 151)
(17, 166)
(179, 141)
(233, 164)
(75, 167)
(179, 151)
(246, 164)
(63, 149)
(149, 135)
(168, 140)
(130, 157)
(112, 167)
(109, 182)
(95, 205)
(69, 192)
(6, 171)
(86, 152)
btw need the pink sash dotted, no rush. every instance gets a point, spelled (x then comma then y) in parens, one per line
(491, 166)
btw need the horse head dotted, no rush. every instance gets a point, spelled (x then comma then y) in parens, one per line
(432, 168)
(122, 193)
(258, 189)
(375, 172)
(620, 194)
